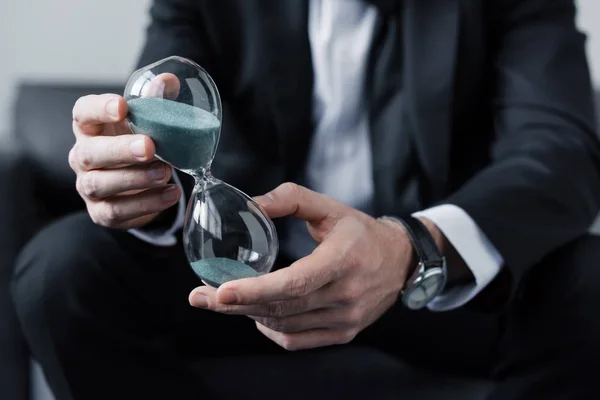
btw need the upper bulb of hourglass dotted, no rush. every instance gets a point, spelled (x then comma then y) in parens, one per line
(176, 103)
(226, 234)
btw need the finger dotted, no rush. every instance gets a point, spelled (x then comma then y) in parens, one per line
(114, 129)
(300, 279)
(163, 86)
(307, 339)
(116, 210)
(103, 151)
(101, 183)
(100, 109)
(292, 199)
(330, 318)
(120, 128)
(206, 297)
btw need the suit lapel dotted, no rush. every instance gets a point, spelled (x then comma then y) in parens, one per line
(384, 90)
(289, 77)
(431, 31)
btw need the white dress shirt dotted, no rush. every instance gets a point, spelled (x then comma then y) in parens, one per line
(339, 161)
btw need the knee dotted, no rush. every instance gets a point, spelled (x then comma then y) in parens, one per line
(55, 268)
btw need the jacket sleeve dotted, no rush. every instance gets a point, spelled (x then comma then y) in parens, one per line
(542, 188)
(176, 29)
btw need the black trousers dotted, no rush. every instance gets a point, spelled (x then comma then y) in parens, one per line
(107, 316)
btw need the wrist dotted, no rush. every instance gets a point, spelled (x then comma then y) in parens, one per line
(426, 271)
(406, 256)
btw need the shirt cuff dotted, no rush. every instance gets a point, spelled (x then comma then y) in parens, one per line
(165, 238)
(480, 255)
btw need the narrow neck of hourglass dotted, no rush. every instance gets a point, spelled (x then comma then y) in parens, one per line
(202, 177)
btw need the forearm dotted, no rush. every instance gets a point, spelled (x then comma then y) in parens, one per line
(541, 188)
(472, 261)
(459, 272)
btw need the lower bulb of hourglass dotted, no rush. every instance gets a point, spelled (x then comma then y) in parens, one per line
(226, 234)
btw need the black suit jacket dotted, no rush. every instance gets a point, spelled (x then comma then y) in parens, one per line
(494, 95)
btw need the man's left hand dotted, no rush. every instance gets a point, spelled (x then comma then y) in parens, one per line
(353, 276)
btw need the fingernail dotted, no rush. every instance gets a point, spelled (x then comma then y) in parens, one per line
(228, 296)
(264, 200)
(201, 301)
(112, 108)
(157, 173)
(138, 148)
(170, 194)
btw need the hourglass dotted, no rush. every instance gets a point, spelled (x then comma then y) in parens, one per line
(226, 234)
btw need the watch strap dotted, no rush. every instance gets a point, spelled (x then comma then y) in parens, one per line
(423, 242)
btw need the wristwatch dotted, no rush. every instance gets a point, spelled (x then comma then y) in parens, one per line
(428, 279)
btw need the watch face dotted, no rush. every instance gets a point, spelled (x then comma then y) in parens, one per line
(425, 290)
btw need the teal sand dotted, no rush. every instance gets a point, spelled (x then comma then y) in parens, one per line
(216, 271)
(185, 136)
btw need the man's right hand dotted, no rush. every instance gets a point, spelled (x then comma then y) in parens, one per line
(123, 185)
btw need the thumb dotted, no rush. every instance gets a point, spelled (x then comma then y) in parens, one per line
(163, 86)
(292, 199)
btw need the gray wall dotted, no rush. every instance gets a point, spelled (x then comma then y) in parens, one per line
(67, 40)
(99, 40)
(589, 15)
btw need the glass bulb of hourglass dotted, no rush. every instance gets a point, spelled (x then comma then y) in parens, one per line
(226, 234)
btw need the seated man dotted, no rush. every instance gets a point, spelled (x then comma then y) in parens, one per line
(412, 130)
